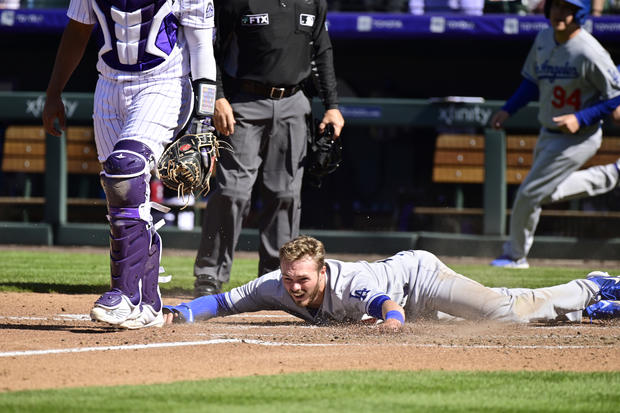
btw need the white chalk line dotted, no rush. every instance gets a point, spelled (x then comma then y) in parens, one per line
(280, 344)
(85, 317)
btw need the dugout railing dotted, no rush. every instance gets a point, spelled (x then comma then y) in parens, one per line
(471, 114)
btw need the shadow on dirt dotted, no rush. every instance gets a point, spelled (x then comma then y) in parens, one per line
(47, 288)
(60, 327)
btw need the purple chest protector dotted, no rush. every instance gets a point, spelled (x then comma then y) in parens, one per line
(135, 35)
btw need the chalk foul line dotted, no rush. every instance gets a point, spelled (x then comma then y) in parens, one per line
(271, 343)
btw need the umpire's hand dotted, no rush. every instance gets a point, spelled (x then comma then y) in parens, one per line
(334, 117)
(224, 118)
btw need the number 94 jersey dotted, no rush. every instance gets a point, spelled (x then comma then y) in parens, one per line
(570, 76)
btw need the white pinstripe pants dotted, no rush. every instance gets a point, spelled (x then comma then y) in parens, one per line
(152, 111)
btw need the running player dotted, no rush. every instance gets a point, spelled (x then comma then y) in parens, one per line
(409, 285)
(577, 84)
(142, 101)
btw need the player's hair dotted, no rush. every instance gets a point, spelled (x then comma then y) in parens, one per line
(304, 246)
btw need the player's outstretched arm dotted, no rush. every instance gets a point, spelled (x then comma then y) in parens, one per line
(202, 308)
(70, 51)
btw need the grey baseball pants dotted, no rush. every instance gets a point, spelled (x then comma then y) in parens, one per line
(556, 157)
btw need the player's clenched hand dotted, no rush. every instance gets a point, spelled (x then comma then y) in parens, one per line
(224, 118)
(498, 119)
(390, 326)
(54, 109)
(168, 318)
(567, 123)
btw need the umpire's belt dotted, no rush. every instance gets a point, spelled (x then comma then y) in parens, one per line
(271, 92)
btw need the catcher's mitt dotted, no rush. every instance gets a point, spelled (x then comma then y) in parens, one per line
(324, 156)
(187, 164)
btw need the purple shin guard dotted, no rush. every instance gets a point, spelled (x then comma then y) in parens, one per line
(150, 278)
(129, 240)
(125, 179)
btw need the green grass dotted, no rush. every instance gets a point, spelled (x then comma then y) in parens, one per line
(77, 273)
(80, 273)
(368, 391)
(89, 273)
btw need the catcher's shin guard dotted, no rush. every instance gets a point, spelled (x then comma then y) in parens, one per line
(125, 179)
(151, 306)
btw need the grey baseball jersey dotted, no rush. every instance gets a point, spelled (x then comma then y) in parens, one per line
(420, 283)
(147, 102)
(570, 76)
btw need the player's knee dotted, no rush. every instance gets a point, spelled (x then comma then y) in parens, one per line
(126, 175)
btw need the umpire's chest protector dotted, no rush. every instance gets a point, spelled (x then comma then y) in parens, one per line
(135, 35)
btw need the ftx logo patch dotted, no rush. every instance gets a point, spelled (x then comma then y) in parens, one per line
(255, 19)
(306, 20)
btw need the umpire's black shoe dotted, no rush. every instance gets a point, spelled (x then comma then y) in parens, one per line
(206, 285)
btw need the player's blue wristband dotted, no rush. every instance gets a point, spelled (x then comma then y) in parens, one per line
(526, 92)
(396, 315)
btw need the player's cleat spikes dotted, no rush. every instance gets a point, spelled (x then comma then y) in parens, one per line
(148, 318)
(609, 287)
(115, 308)
(508, 262)
(182, 313)
(604, 309)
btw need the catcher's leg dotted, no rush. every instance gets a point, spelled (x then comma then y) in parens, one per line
(151, 307)
(125, 180)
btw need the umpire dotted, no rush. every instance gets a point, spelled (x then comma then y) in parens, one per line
(266, 50)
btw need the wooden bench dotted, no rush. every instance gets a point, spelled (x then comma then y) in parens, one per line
(459, 158)
(24, 151)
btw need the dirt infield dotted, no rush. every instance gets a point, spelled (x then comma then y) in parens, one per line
(48, 341)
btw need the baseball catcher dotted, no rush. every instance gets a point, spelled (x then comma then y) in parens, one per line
(324, 156)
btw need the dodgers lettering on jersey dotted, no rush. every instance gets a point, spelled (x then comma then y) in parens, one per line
(570, 76)
(551, 73)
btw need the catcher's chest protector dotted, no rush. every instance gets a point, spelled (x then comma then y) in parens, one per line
(149, 28)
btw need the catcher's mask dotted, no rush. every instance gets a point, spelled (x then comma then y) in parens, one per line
(324, 156)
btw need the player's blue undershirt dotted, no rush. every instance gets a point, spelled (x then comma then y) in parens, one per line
(528, 91)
